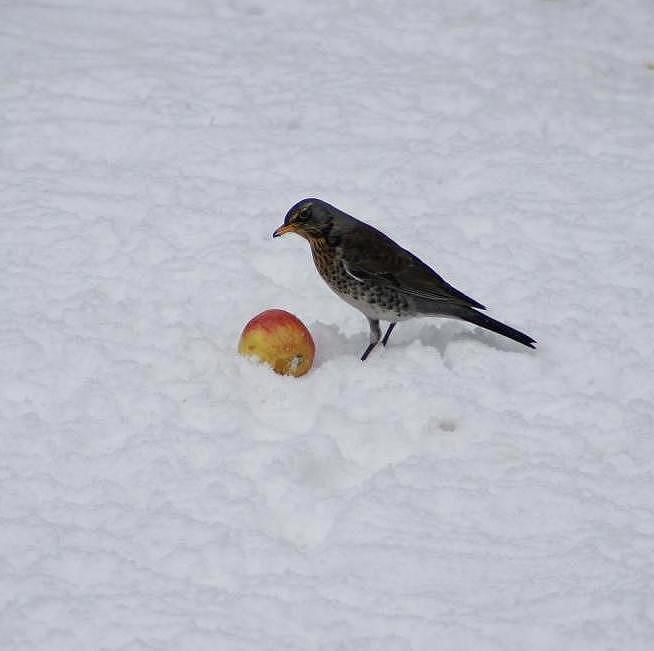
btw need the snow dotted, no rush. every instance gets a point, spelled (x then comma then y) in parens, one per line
(456, 491)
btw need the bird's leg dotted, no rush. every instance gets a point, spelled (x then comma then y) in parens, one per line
(375, 335)
(388, 333)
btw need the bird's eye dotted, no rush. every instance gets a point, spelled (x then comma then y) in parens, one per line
(304, 214)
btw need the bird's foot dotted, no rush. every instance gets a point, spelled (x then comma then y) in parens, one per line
(388, 333)
(367, 352)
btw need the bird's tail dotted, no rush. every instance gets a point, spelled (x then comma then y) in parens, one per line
(472, 316)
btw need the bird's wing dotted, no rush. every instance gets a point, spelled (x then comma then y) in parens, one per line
(369, 254)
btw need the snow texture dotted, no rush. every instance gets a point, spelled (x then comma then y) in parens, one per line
(457, 491)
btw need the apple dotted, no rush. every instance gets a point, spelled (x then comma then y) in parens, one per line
(279, 339)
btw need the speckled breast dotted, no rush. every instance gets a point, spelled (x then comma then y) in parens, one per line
(376, 301)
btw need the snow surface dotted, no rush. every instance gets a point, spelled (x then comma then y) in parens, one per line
(457, 491)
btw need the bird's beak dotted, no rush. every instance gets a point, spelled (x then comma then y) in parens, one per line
(285, 228)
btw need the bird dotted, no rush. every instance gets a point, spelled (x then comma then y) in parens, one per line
(374, 274)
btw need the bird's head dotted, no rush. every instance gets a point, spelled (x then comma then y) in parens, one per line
(310, 218)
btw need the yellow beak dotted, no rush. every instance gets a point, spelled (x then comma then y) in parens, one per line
(282, 230)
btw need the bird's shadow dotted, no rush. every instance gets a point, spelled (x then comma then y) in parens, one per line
(452, 331)
(332, 342)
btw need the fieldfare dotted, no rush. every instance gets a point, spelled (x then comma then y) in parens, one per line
(377, 276)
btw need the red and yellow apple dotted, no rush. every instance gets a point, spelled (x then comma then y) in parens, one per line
(279, 339)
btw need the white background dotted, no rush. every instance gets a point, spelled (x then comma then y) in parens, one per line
(456, 491)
